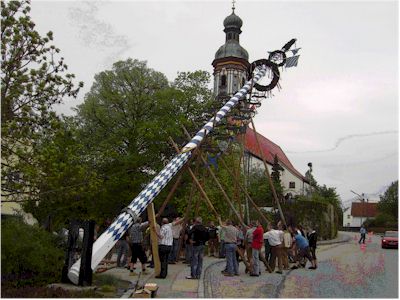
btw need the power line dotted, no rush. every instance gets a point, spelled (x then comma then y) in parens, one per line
(340, 140)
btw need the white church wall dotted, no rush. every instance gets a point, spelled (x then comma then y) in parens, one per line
(288, 179)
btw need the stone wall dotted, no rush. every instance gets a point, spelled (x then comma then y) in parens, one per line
(320, 216)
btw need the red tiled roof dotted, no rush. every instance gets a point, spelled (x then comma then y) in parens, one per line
(364, 209)
(270, 149)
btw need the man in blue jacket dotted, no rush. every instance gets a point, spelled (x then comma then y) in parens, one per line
(363, 231)
(304, 250)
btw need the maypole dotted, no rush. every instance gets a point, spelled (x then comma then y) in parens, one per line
(129, 214)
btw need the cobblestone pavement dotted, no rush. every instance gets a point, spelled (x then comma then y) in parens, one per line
(348, 271)
(174, 286)
(344, 271)
(217, 285)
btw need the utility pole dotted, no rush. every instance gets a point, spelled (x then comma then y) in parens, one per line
(362, 199)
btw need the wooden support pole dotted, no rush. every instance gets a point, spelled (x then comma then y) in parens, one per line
(154, 238)
(197, 208)
(245, 192)
(202, 192)
(238, 175)
(188, 208)
(217, 182)
(169, 196)
(242, 256)
(192, 190)
(268, 175)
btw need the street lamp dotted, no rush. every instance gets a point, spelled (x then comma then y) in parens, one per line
(309, 179)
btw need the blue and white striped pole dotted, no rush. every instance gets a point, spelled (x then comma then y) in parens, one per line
(128, 216)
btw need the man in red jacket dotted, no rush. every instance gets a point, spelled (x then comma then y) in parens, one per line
(256, 245)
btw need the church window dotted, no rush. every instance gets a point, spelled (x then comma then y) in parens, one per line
(292, 185)
(223, 80)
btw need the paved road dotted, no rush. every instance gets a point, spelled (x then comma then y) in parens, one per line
(344, 271)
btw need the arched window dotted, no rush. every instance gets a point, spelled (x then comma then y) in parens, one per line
(223, 80)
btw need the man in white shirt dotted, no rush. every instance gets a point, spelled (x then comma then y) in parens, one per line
(176, 232)
(275, 240)
(165, 244)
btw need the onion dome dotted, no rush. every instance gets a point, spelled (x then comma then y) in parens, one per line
(232, 48)
(233, 21)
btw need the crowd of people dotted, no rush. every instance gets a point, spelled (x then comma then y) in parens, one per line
(285, 247)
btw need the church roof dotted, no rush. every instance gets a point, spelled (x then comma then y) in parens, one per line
(233, 21)
(364, 209)
(269, 149)
(232, 49)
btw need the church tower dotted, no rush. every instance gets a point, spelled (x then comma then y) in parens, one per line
(231, 60)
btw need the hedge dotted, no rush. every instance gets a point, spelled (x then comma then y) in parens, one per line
(29, 255)
(313, 214)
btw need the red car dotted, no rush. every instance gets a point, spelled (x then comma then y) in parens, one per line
(390, 239)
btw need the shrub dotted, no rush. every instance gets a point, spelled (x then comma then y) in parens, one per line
(29, 255)
(382, 220)
(45, 292)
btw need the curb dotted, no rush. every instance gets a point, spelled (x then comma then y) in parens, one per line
(129, 292)
(201, 289)
(344, 239)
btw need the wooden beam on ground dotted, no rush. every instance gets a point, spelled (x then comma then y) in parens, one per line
(245, 192)
(154, 238)
(217, 182)
(268, 175)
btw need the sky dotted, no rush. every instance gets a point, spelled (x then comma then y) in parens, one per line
(337, 109)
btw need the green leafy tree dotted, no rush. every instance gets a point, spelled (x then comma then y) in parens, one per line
(276, 169)
(388, 203)
(65, 180)
(327, 194)
(33, 79)
(260, 190)
(124, 125)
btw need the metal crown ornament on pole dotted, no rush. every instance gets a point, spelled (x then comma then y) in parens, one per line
(130, 214)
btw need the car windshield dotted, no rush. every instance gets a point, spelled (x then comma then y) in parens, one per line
(391, 234)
